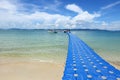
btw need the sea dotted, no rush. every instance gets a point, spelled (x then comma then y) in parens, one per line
(49, 46)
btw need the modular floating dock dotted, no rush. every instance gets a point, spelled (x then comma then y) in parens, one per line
(82, 63)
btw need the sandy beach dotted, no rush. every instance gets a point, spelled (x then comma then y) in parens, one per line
(59, 39)
(27, 69)
(30, 70)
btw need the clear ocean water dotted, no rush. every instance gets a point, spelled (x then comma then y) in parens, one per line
(43, 45)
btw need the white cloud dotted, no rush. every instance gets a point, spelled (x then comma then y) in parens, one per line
(14, 19)
(6, 5)
(85, 16)
(113, 26)
(104, 23)
(51, 5)
(74, 7)
(82, 15)
(111, 5)
(11, 18)
(35, 19)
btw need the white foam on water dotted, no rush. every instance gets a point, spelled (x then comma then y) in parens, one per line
(39, 60)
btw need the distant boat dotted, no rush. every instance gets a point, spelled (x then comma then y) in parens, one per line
(65, 31)
(52, 30)
(55, 32)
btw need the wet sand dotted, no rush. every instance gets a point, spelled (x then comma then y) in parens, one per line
(25, 70)
(115, 64)
(19, 69)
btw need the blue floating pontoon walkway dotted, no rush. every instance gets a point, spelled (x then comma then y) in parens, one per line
(83, 63)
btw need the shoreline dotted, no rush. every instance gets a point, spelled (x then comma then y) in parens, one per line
(115, 64)
(27, 59)
(30, 69)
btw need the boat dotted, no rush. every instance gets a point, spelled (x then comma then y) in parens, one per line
(52, 30)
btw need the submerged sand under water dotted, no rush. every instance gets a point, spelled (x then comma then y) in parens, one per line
(46, 52)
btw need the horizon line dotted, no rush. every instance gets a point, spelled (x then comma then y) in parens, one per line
(57, 29)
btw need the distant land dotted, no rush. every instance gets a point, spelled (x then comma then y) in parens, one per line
(62, 29)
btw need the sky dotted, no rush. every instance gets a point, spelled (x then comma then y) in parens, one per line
(60, 14)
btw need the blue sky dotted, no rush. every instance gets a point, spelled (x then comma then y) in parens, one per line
(43, 14)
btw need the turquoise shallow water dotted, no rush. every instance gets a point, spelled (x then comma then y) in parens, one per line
(36, 44)
(105, 43)
(43, 45)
